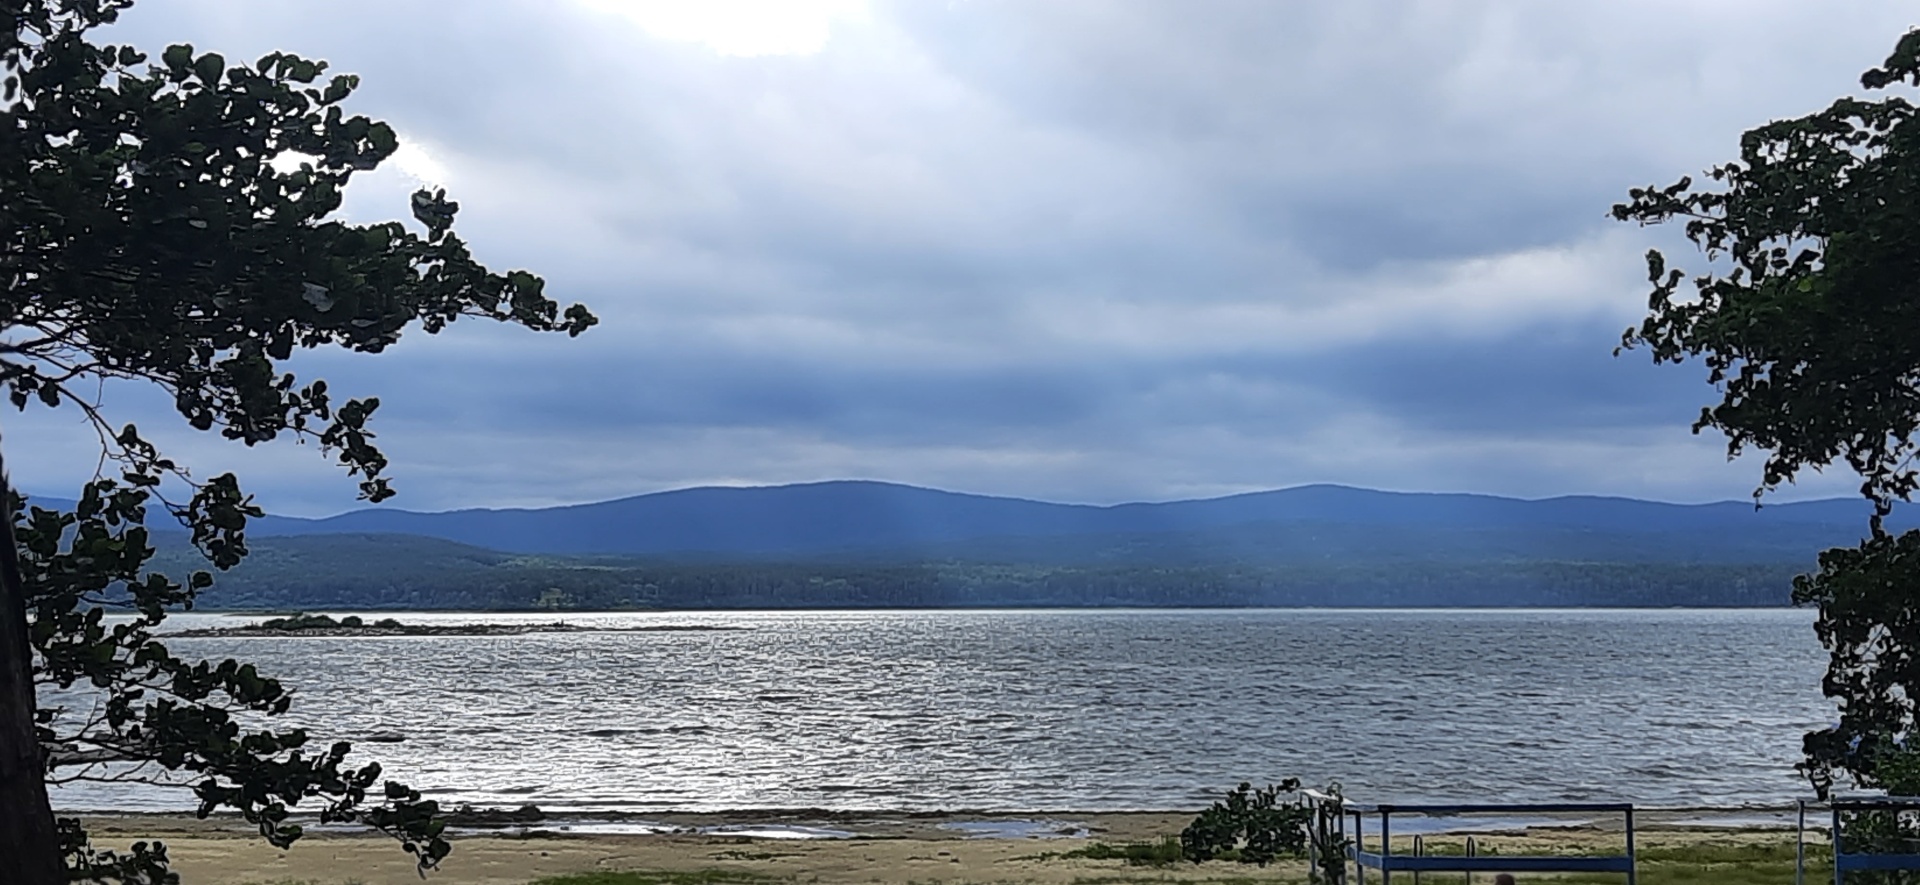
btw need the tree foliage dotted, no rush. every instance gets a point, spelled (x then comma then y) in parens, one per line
(1251, 825)
(1807, 317)
(169, 221)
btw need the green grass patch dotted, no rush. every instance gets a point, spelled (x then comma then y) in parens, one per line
(1734, 853)
(1701, 863)
(1706, 863)
(1162, 853)
(737, 854)
(658, 877)
(310, 882)
(1232, 875)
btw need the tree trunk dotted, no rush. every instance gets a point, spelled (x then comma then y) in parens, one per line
(29, 846)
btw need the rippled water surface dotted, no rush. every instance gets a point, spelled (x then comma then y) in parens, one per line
(1084, 710)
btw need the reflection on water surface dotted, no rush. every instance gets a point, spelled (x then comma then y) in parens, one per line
(1084, 710)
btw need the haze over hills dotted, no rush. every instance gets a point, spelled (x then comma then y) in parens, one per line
(870, 544)
(861, 517)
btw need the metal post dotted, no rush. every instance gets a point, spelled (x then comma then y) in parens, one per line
(1632, 865)
(1839, 878)
(1800, 845)
(1359, 845)
(1342, 817)
(1473, 850)
(1419, 850)
(1314, 825)
(1386, 848)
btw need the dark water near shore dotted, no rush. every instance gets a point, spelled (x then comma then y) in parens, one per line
(1086, 710)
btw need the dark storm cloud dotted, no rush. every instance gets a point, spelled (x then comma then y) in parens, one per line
(1545, 382)
(1086, 251)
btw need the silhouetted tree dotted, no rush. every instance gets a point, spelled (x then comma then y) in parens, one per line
(168, 222)
(1807, 316)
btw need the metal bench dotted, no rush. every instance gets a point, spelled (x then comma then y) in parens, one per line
(1387, 862)
(1845, 861)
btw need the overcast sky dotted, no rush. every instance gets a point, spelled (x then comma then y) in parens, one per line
(1092, 252)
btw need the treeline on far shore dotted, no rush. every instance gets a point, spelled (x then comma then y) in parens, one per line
(408, 572)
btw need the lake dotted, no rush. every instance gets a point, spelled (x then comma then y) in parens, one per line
(1060, 710)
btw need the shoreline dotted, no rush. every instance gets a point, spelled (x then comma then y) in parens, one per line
(842, 825)
(949, 824)
(838, 848)
(249, 612)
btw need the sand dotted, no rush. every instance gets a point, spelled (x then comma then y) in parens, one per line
(899, 849)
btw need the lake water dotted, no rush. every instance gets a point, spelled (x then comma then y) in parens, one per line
(1059, 710)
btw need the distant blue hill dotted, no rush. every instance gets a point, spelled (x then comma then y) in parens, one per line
(860, 518)
(879, 545)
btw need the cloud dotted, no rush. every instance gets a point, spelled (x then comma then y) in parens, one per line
(738, 27)
(1075, 250)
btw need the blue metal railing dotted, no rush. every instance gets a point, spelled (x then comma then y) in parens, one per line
(1388, 862)
(1845, 861)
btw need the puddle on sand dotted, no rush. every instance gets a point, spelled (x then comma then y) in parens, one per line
(1017, 829)
(586, 828)
(649, 828)
(763, 831)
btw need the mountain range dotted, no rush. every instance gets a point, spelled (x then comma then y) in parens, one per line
(872, 544)
(867, 518)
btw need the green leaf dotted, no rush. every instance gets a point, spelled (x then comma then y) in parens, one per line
(209, 67)
(178, 58)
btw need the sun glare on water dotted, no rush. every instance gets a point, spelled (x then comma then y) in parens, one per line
(739, 27)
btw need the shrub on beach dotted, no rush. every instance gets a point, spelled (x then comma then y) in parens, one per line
(1250, 826)
(1259, 826)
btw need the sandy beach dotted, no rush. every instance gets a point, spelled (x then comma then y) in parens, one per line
(881, 849)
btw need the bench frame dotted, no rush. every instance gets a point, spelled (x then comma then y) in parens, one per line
(1843, 860)
(1387, 862)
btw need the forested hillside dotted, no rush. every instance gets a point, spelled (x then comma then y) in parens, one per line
(879, 545)
(842, 518)
(405, 572)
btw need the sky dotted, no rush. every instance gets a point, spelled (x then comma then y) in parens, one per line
(1075, 251)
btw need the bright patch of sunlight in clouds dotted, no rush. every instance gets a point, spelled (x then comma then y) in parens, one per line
(739, 27)
(414, 161)
(419, 164)
(289, 162)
